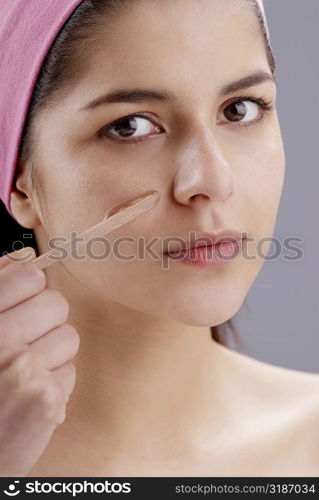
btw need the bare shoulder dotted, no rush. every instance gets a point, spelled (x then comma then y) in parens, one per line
(287, 402)
(293, 388)
(296, 394)
(276, 382)
(281, 406)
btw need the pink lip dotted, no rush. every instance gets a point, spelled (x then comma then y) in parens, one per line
(207, 239)
(209, 249)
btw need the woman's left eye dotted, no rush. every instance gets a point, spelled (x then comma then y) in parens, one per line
(246, 110)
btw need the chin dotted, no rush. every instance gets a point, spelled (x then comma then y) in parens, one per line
(211, 315)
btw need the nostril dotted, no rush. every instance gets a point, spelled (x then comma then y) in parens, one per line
(200, 195)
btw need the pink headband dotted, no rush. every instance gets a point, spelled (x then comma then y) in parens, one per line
(28, 28)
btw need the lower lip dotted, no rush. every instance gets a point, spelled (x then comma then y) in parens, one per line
(208, 256)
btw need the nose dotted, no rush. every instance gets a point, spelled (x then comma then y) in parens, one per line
(203, 174)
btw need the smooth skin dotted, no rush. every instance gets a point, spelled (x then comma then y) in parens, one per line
(154, 394)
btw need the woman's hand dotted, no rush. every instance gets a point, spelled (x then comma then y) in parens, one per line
(36, 374)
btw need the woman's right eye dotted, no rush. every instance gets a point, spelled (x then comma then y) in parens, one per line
(130, 128)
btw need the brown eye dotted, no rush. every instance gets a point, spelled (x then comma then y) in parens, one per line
(241, 111)
(131, 127)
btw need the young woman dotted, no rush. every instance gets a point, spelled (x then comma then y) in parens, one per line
(177, 96)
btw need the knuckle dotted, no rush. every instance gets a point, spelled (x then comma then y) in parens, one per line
(33, 273)
(61, 416)
(34, 387)
(47, 398)
(55, 297)
(74, 336)
(20, 372)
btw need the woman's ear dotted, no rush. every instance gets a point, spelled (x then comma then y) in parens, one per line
(23, 198)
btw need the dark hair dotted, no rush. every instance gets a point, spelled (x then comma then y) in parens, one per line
(62, 65)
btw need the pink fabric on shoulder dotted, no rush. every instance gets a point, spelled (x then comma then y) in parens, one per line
(27, 30)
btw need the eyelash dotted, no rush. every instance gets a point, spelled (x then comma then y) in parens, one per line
(264, 104)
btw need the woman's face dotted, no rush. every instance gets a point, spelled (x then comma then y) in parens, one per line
(214, 167)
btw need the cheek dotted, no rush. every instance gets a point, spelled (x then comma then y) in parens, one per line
(271, 185)
(79, 198)
(263, 182)
(262, 186)
(77, 194)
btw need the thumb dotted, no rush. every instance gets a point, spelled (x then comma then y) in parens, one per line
(22, 255)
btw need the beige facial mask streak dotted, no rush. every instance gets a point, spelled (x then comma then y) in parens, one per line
(114, 218)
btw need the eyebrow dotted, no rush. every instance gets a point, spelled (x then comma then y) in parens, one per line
(148, 95)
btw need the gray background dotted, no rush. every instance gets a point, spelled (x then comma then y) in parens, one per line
(279, 319)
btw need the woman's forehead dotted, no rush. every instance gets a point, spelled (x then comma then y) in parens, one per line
(169, 63)
(159, 43)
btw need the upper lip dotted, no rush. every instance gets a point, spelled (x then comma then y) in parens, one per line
(205, 239)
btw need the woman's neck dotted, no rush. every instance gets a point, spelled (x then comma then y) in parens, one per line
(143, 381)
